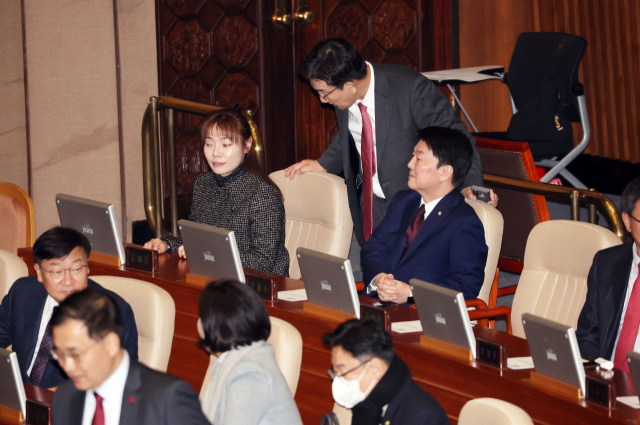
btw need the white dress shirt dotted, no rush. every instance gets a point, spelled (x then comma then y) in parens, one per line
(428, 208)
(632, 278)
(355, 127)
(111, 391)
(47, 312)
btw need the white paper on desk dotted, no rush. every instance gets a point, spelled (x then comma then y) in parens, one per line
(631, 400)
(517, 363)
(404, 327)
(469, 75)
(293, 295)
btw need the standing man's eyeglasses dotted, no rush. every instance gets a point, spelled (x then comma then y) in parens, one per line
(628, 214)
(324, 96)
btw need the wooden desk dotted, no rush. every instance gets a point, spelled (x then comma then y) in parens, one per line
(452, 382)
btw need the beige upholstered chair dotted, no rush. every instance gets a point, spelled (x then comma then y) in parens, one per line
(287, 342)
(11, 268)
(553, 283)
(491, 411)
(343, 414)
(493, 225)
(17, 218)
(318, 215)
(155, 314)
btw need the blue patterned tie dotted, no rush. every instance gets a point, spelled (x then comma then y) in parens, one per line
(42, 358)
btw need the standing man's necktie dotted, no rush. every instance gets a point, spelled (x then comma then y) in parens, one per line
(368, 170)
(42, 358)
(629, 331)
(98, 417)
(413, 229)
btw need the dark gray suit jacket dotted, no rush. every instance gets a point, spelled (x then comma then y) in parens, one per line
(149, 398)
(606, 290)
(405, 102)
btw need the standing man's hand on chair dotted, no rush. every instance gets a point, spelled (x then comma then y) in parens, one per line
(304, 166)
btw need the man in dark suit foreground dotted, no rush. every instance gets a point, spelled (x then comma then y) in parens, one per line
(60, 255)
(609, 320)
(372, 381)
(429, 232)
(106, 386)
(379, 108)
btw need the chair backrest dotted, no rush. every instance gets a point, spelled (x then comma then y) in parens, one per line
(155, 314)
(17, 218)
(553, 283)
(11, 268)
(491, 411)
(493, 224)
(318, 215)
(521, 211)
(287, 344)
(537, 54)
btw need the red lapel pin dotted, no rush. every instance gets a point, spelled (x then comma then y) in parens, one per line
(132, 399)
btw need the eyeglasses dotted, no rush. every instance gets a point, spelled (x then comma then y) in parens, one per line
(634, 218)
(75, 356)
(334, 375)
(324, 96)
(59, 273)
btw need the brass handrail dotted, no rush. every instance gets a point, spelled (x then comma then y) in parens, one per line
(592, 198)
(151, 149)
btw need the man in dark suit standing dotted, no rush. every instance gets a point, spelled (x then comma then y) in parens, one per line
(106, 385)
(610, 318)
(60, 255)
(372, 381)
(380, 108)
(429, 232)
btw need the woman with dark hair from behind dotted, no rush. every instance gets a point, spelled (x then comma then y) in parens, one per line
(236, 195)
(247, 386)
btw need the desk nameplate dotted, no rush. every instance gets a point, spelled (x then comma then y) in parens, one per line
(264, 286)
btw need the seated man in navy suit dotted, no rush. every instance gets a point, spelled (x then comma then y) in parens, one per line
(60, 255)
(609, 322)
(429, 232)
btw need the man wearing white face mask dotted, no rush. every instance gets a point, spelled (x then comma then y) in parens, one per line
(373, 382)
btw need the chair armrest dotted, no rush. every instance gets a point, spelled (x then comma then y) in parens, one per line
(492, 312)
(360, 286)
(477, 303)
(508, 290)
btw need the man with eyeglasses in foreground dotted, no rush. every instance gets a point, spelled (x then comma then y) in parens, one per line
(609, 322)
(372, 381)
(106, 385)
(60, 255)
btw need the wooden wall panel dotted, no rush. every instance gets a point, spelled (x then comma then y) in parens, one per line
(609, 67)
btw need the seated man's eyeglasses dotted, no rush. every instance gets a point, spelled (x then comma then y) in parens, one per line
(324, 96)
(61, 357)
(59, 273)
(629, 214)
(333, 375)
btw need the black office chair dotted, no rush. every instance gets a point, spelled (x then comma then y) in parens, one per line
(536, 57)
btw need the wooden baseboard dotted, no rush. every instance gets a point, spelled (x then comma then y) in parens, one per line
(554, 386)
(325, 312)
(445, 348)
(108, 260)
